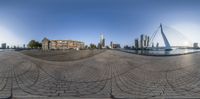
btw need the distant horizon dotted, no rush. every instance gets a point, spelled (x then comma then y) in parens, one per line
(84, 20)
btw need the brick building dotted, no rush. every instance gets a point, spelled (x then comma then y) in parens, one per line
(61, 44)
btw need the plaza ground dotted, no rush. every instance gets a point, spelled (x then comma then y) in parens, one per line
(103, 74)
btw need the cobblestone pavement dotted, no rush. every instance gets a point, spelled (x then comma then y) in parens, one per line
(106, 75)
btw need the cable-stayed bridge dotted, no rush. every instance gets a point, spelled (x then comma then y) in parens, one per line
(168, 38)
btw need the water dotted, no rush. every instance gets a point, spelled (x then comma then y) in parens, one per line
(149, 52)
(3, 50)
(162, 52)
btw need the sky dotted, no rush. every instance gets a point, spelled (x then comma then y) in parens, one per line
(120, 21)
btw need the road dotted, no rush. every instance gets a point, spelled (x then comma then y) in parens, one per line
(110, 74)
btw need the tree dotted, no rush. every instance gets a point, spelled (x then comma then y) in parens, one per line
(86, 47)
(93, 46)
(34, 44)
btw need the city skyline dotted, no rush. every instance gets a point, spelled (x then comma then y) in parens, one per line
(119, 21)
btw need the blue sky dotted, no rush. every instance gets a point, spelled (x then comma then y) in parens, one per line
(120, 21)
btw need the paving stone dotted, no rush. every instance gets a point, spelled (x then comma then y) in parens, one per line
(108, 74)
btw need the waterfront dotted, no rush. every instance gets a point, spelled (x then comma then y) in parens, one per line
(162, 52)
(3, 50)
(108, 74)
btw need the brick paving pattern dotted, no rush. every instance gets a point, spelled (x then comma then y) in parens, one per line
(106, 75)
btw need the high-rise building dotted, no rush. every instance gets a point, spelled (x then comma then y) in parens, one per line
(145, 41)
(195, 45)
(111, 44)
(103, 44)
(141, 41)
(116, 46)
(157, 45)
(3, 45)
(102, 41)
(136, 43)
(24, 46)
(148, 41)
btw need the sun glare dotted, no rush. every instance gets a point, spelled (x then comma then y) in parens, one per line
(7, 36)
(186, 43)
(189, 30)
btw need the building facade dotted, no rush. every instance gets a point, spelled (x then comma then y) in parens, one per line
(136, 43)
(111, 44)
(3, 45)
(116, 45)
(61, 44)
(102, 41)
(195, 45)
(143, 42)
